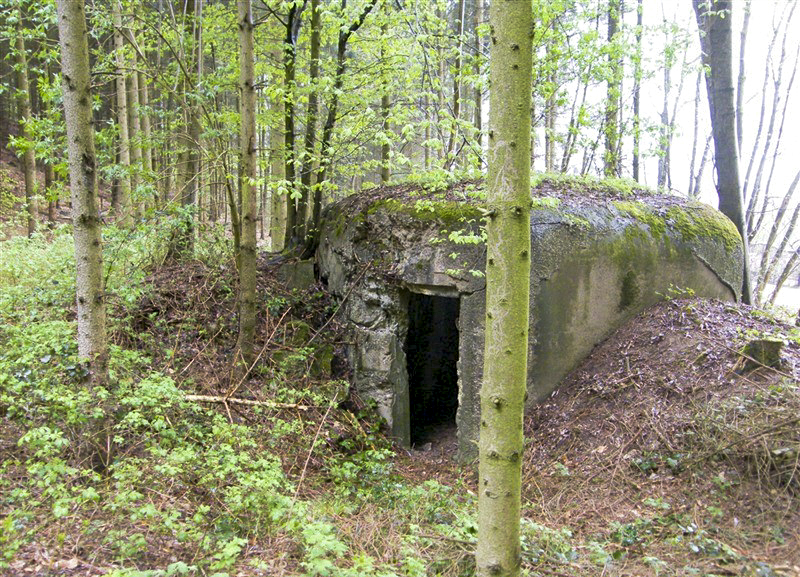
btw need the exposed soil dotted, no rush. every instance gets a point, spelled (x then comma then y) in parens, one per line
(665, 426)
(12, 198)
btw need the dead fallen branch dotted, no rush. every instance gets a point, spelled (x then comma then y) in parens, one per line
(251, 402)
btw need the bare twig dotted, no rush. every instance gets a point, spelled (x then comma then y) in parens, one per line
(339, 306)
(251, 402)
(258, 356)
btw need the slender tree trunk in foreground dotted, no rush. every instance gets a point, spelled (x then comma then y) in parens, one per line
(75, 88)
(716, 43)
(508, 266)
(247, 136)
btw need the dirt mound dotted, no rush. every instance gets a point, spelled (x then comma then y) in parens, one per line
(671, 444)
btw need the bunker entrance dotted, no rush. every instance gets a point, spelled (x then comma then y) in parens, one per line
(432, 357)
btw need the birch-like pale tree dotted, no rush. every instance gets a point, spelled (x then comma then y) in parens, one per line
(508, 265)
(75, 88)
(122, 200)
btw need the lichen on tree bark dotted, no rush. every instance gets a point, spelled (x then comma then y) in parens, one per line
(507, 290)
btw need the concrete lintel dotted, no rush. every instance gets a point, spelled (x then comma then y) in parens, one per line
(432, 290)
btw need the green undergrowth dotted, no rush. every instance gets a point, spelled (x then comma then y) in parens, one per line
(191, 489)
(573, 182)
(298, 483)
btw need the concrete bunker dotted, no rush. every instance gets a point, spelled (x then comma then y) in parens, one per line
(407, 265)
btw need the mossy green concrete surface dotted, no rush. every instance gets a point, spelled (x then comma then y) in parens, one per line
(697, 220)
(599, 257)
(446, 212)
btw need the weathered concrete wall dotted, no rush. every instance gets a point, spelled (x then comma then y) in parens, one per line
(598, 259)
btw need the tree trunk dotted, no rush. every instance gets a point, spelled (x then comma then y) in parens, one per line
(637, 90)
(716, 43)
(428, 120)
(289, 61)
(459, 29)
(551, 107)
(277, 218)
(690, 192)
(755, 218)
(385, 99)
(507, 291)
(742, 75)
(122, 207)
(247, 136)
(613, 93)
(49, 180)
(752, 195)
(135, 135)
(190, 177)
(147, 130)
(330, 120)
(788, 268)
(311, 123)
(767, 270)
(478, 94)
(24, 117)
(75, 88)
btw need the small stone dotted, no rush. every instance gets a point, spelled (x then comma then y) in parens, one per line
(761, 353)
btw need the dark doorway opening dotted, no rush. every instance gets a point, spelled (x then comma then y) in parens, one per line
(432, 357)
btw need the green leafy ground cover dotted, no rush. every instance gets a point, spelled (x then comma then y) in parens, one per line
(293, 476)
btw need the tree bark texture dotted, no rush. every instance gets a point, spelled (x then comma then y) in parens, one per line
(716, 43)
(289, 62)
(75, 88)
(135, 136)
(277, 218)
(311, 123)
(147, 130)
(249, 216)
(459, 30)
(478, 90)
(507, 289)
(614, 91)
(742, 75)
(386, 102)
(637, 90)
(122, 208)
(24, 116)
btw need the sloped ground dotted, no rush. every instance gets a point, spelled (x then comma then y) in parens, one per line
(672, 451)
(663, 454)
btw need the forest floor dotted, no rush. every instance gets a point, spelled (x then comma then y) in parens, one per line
(666, 452)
